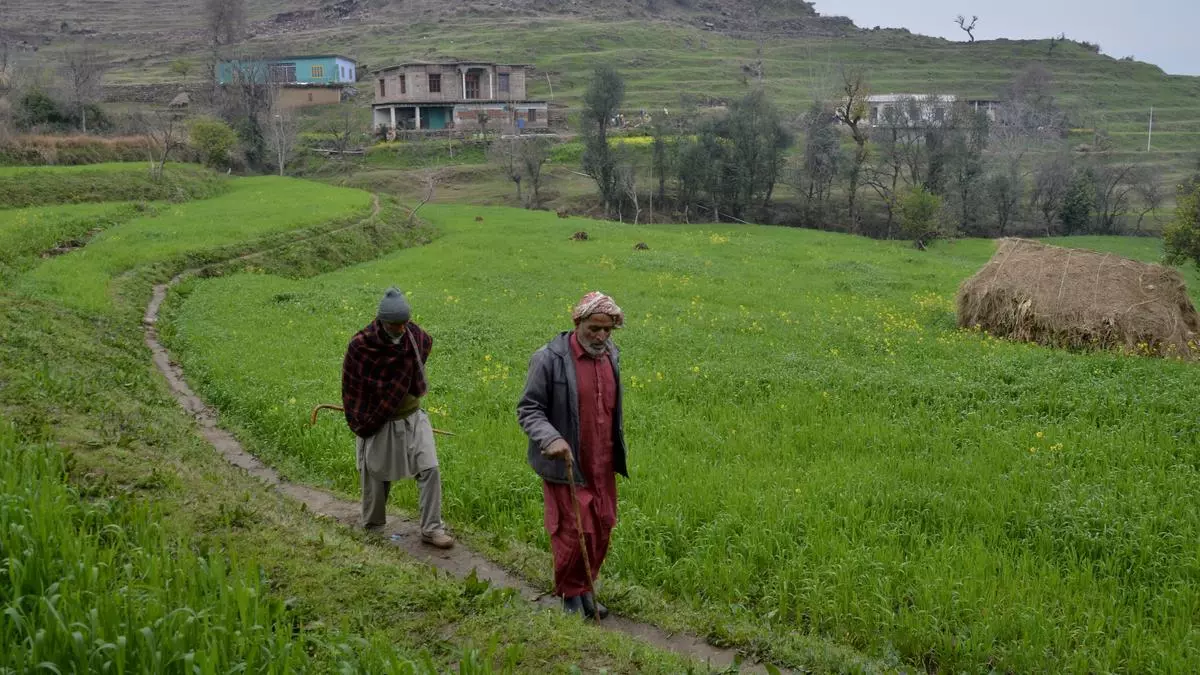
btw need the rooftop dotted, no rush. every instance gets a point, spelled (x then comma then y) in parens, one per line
(452, 63)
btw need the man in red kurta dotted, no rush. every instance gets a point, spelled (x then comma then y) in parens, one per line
(572, 404)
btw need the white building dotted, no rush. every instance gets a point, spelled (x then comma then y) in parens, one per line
(919, 110)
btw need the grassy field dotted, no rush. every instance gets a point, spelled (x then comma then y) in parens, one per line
(253, 208)
(26, 233)
(823, 467)
(128, 545)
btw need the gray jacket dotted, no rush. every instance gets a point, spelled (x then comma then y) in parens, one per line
(549, 409)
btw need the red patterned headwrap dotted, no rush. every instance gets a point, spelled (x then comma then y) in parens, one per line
(598, 303)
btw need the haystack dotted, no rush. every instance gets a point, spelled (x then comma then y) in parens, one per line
(1064, 297)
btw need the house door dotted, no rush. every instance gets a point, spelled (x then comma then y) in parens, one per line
(472, 84)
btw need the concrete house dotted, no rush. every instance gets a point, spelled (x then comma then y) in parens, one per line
(452, 96)
(920, 110)
(301, 80)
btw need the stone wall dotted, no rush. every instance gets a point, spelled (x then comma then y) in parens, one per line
(157, 94)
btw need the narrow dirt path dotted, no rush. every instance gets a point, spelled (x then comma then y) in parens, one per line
(402, 532)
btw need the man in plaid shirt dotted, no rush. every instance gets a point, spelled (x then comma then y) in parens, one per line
(383, 380)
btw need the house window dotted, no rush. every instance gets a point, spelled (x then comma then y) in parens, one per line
(318, 71)
(403, 85)
(283, 72)
(471, 80)
(435, 83)
(383, 86)
(532, 115)
(504, 82)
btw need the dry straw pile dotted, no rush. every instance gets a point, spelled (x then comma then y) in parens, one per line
(1079, 299)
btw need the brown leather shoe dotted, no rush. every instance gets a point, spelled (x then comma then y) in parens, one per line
(438, 540)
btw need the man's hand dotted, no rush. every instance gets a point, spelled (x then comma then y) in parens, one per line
(557, 450)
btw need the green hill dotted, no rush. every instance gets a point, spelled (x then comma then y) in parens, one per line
(672, 52)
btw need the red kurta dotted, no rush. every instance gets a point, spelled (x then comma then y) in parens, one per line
(598, 499)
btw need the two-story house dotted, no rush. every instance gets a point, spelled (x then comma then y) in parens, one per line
(454, 95)
(300, 80)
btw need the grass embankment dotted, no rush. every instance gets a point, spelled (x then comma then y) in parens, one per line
(128, 541)
(27, 233)
(822, 464)
(252, 209)
(117, 182)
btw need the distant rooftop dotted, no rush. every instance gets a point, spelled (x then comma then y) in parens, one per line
(452, 63)
(294, 58)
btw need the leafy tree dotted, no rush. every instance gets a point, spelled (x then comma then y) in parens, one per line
(213, 139)
(822, 159)
(1181, 236)
(757, 141)
(920, 216)
(601, 101)
(1078, 202)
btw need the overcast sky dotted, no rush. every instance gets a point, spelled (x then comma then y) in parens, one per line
(1162, 32)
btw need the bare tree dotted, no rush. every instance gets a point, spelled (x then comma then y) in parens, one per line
(83, 68)
(1051, 177)
(883, 173)
(505, 153)
(627, 178)
(534, 153)
(431, 182)
(1150, 194)
(482, 120)
(224, 21)
(282, 131)
(164, 131)
(1054, 43)
(853, 113)
(969, 28)
(1004, 189)
(1113, 189)
(244, 102)
(822, 159)
(345, 131)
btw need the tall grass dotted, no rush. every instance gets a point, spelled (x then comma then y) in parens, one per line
(817, 452)
(95, 585)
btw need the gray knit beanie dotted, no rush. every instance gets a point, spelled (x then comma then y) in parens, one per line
(393, 308)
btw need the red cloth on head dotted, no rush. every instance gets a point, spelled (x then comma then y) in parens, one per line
(598, 499)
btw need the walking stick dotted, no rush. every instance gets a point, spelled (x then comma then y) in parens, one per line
(329, 406)
(587, 565)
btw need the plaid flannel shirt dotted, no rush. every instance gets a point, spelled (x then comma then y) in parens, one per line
(377, 374)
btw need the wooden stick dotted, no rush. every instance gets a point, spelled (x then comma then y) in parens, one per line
(587, 565)
(329, 406)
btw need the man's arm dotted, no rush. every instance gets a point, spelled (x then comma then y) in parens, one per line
(535, 403)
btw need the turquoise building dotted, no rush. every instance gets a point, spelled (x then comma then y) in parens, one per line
(329, 69)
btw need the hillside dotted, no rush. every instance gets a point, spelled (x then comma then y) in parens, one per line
(673, 52)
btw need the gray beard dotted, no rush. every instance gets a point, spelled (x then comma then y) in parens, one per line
(594, 352)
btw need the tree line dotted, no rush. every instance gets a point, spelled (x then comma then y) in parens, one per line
(918, 167)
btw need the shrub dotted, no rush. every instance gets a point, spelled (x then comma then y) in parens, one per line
(1181, 237)
(919, 216)
(212, 139)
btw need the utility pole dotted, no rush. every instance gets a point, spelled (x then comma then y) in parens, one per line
(1150, 129)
